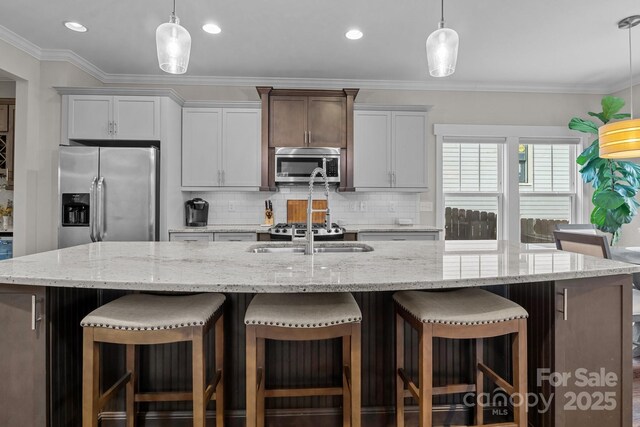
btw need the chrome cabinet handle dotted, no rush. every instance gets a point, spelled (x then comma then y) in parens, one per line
(35, 318)
(92, 209)
(100, 222)
(222, 177)
(109, 128)
(309, 140)
(565, 305)
(305, 137)
(115, 128)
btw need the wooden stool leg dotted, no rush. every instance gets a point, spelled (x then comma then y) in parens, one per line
(199, 377)
(251, 375)
(425, 360)
(479, 358)
(90, 379)
(130, 390)
(219, 361)
(346, 379)
(356, 363)
(399, 365)
(260, 350)
(519, 354)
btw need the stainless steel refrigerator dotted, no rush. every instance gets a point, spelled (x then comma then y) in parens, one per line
(107, 194)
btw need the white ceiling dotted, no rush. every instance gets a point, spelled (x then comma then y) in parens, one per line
(571, 45)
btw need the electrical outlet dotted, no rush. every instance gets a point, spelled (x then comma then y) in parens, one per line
(392, 206)
(232, 206)
(363, 206)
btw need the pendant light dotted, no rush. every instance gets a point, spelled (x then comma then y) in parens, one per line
(442, 49)
(620, 140)
(174, 45)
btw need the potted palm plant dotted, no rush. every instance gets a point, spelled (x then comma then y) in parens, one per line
(615, 182)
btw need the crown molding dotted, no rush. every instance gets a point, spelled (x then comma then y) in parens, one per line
(289, 82)
(75, 59)
(317, 83)
(20, 42)
(121, 91)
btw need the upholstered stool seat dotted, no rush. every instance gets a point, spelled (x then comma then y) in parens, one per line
(302, 310)
(141, 319)
(459, 314)
(470, 306)
(303, 317)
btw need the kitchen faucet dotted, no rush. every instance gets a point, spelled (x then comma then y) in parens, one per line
(310, 211)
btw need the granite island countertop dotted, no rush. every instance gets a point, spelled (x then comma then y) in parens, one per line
(230, 267)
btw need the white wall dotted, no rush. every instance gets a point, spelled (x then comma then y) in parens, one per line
(7, 89)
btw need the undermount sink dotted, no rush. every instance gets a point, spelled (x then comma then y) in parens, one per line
(318, 249)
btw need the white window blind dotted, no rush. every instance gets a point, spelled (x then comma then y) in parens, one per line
(470, 167)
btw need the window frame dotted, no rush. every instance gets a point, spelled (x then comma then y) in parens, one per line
(512, 137)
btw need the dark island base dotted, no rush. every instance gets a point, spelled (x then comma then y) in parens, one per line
(600, 318)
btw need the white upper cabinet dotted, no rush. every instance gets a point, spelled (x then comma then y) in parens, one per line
(221, 147)
(136, 117)
(201, 140)
(372, 149)
(390, 150)
(114, 117)
(90, 117)
(409, 149)
(241, 147)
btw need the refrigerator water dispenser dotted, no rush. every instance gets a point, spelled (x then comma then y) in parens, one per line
(75, 209)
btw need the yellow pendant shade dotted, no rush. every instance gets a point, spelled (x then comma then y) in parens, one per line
(620, 140)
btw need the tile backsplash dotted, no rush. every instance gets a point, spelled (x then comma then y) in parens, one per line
(351, 208)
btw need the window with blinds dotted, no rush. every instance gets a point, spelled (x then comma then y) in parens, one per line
(471, 189)
(548, 196)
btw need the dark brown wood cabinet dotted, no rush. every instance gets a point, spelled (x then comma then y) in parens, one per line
(308, 121)
(23, 371)
(579, 331)
(4, 118)
(306, 118)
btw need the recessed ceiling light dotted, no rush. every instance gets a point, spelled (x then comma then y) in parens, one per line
(211, 28)
(75, 26)
(353, 34)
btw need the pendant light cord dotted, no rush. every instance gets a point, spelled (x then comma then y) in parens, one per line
(442, 11)
(630, 71)
(174, 7)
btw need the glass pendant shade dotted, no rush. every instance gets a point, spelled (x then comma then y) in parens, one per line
(173, 42)
(620, 140)
(442, 52)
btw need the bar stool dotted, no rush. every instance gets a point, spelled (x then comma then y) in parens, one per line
(460, 314)
(303, 317)
(141, 319)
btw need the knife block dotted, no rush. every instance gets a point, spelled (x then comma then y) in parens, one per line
(268, 217)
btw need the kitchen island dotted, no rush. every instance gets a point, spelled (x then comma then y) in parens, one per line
(580, 317)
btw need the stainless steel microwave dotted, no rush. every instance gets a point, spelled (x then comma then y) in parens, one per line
(294, 165)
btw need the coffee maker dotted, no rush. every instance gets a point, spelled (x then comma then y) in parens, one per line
(196, 212)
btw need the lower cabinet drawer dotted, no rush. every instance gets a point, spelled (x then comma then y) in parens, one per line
(191, 237)
(400, 236)
(235, 237)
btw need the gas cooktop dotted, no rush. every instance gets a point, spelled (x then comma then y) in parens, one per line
(298, 230)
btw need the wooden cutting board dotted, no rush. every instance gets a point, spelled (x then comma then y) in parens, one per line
(297, 211)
